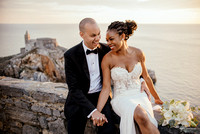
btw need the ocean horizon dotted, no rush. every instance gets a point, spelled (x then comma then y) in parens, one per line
(172, 51)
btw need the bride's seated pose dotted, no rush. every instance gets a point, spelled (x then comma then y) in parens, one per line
(124, 65)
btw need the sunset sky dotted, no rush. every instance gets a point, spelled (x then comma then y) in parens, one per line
(103, 11)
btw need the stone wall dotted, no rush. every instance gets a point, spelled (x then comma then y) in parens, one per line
(30, 107)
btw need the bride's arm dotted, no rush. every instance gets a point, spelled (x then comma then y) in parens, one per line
(106, 88)
(148, 80)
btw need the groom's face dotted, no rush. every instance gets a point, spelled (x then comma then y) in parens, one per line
(91, 35)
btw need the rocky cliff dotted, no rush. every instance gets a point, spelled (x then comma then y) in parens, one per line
(39, 64)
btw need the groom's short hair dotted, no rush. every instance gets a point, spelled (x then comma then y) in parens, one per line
(85, 21)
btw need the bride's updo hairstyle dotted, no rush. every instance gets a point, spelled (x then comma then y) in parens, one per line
(127, 28)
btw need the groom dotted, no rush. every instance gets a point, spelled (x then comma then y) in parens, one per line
(84, 79)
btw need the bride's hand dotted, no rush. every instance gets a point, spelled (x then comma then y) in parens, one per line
(146, 89)
(158, 101)
(98, 118)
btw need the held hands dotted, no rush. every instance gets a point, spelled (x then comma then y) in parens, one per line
(98, 118)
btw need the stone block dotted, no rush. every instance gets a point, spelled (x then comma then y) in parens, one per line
(22, 104)
(2, 102)
(16, 130)
(61, 100)
(41, 109)
(12, 91)
(191, 130)
(21, 115)
(56, 113)
(15, 124)
(30, 130)
(2, 116)
(46, 97)
(57, 127)
(51, 118)
(168, 130)
(63, 115)
(46, 132)
(9, 101)
(43, 122)
(90, 128)
(58, 106)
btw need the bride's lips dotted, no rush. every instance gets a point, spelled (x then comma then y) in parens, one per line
(111, 47)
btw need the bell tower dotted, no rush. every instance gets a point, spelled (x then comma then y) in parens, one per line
(27, 37)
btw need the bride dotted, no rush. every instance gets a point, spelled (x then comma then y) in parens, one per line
(124, 65)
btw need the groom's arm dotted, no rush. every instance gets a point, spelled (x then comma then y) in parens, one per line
(75, 89)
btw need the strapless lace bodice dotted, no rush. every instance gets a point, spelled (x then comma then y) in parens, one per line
(127, 96)
(126, 83)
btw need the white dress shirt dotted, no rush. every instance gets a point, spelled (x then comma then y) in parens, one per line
(93, 67)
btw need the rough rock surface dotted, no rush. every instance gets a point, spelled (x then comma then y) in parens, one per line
(39, 64)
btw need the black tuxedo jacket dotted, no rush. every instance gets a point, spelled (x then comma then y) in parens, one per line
(78, 79)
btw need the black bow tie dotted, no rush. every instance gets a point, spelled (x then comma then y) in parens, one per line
(91, 51)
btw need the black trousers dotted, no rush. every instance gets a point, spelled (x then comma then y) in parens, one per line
(76, 124)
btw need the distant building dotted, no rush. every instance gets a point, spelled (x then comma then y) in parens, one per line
(27, 37)
(30, 44)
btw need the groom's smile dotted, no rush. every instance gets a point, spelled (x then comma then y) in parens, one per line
(91, 35)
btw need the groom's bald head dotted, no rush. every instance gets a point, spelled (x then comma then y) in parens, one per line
(84, 22)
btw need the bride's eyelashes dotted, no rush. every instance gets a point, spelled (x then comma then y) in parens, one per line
(110, 39)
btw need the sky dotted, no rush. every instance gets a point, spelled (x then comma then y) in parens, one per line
(103, 11)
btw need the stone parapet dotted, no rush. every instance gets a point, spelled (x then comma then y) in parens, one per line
(32, 107)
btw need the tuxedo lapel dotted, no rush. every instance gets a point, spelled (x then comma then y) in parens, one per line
(82, 60)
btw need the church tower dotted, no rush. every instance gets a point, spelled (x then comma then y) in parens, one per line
(27, 37)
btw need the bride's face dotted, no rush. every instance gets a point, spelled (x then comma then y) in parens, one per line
(114, 40)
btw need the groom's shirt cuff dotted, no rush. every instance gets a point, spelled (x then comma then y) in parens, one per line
(91, 113)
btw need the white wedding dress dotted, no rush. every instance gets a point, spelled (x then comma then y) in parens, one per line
(127, 96)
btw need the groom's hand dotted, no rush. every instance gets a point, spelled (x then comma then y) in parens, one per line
(146, 89)
(98, 118)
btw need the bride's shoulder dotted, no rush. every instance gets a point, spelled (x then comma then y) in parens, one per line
(109, 55)
(107, 59)
(139, 53)
(135, 50)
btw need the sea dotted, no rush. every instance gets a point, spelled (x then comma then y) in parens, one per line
(171, 50)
